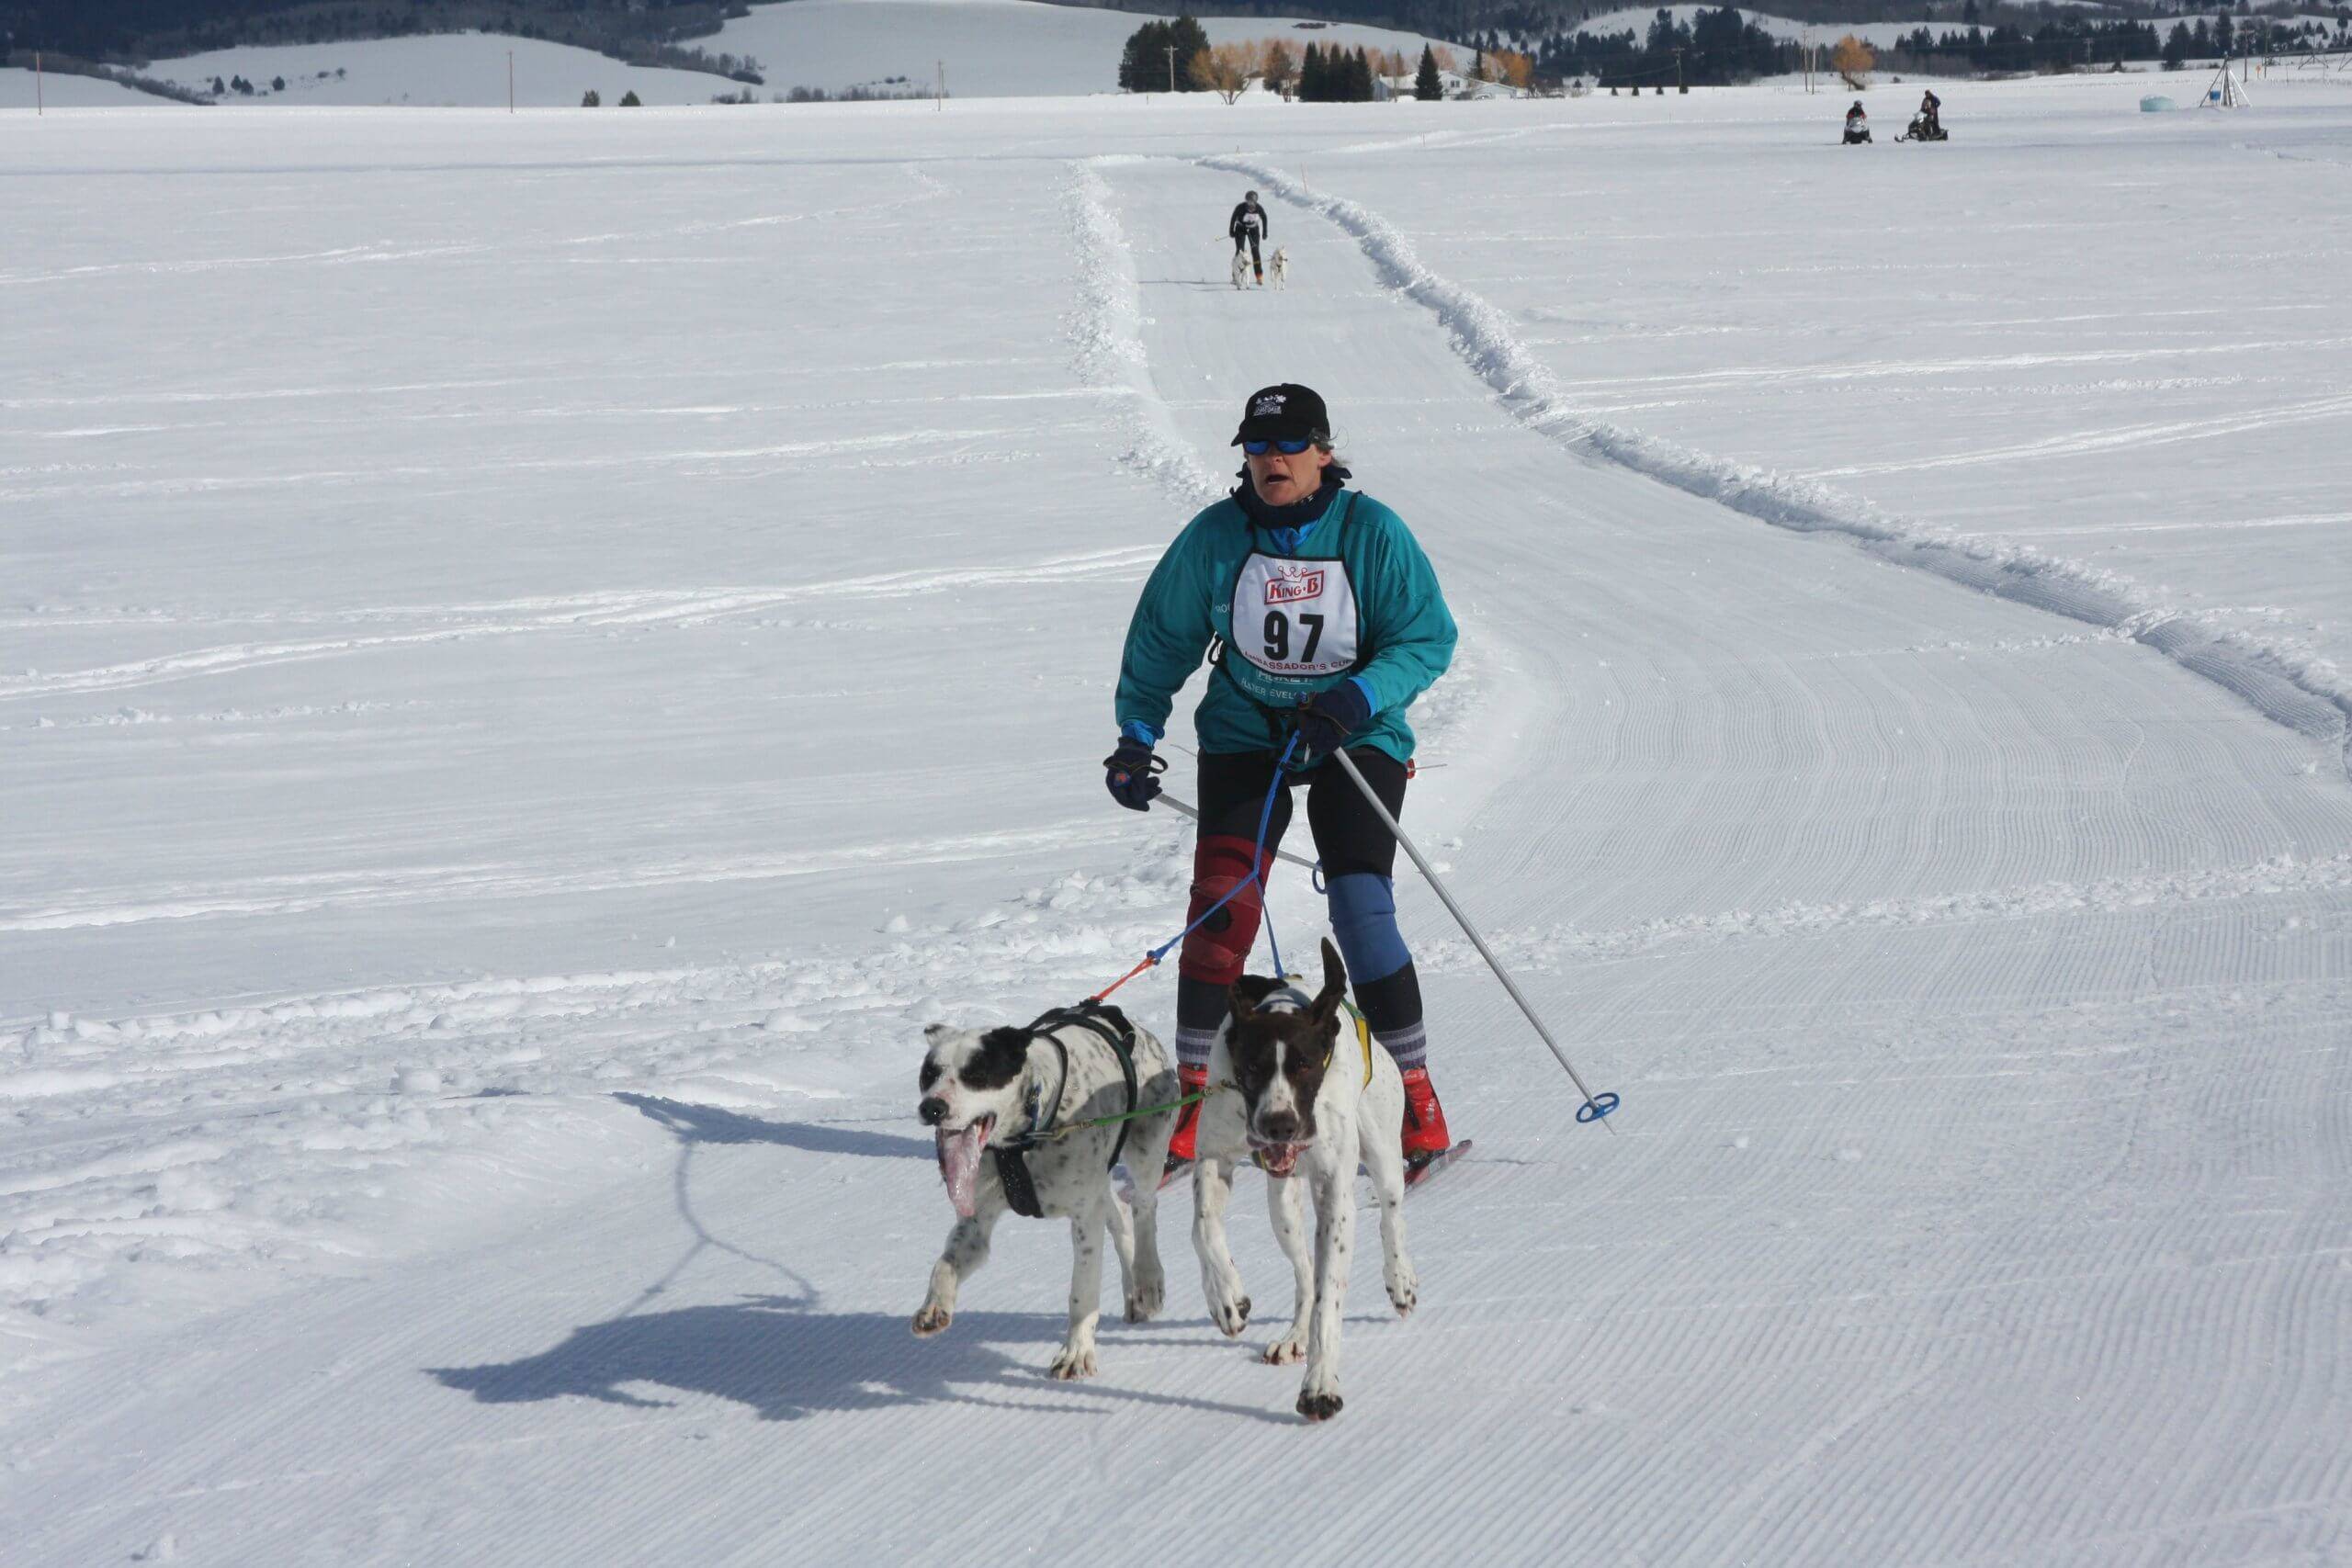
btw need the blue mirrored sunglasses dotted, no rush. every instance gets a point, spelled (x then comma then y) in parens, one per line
(1287, 449)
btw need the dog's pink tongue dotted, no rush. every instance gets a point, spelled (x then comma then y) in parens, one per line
(959, 1163)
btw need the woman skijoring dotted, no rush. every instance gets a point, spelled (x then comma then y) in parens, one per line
(1329, 622)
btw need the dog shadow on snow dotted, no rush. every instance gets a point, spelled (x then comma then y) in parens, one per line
(785, 1361)
(785, 1356)
(713, 1125)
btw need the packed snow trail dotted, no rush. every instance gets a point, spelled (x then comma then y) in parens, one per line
(1978, 996)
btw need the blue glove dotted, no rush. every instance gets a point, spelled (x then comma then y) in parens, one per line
(1329, 717)
(1131, 774)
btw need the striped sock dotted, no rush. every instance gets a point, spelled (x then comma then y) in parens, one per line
(1192, 1046)
(1410, 1045)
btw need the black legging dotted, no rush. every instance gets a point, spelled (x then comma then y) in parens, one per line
(1349, 838)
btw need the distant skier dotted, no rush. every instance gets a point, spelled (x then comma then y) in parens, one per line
(1330, 623)
(1248, 226)
(1858, 124)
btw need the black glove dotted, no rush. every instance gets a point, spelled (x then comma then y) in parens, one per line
(1131, 774)
(1329, 717)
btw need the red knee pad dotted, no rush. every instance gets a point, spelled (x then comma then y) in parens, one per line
(1217, 952)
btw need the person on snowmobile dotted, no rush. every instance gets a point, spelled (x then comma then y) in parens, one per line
(1248, 226)
(1321, 619)
(1858, 124)
(1930, 115)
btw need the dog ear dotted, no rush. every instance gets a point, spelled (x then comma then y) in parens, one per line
(1335, 986)
(935, 1032)
(1241, 999)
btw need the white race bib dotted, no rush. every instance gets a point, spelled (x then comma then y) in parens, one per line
(1295, 618)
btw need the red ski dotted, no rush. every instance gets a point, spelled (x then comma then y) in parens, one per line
(1417, 1174)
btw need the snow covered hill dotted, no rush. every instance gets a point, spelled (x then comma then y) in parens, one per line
(451, 70)
(536, 653)
(991, 49)
(18, 91)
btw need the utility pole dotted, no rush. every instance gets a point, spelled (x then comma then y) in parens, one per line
(1172, 67)
(1680, 85)
(510, 80)
(942, 99)
(39, 107)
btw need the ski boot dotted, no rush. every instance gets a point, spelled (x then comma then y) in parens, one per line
(1190, 1081)
(1425, 1133)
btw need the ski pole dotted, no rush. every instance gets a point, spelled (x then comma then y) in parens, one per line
(1596, 1107)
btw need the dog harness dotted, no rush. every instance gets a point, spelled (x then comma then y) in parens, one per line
(1111, 1026)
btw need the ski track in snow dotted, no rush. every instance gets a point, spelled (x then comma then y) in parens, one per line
(1105, 329)
(2272, 678)
(565, 613)
(329, 890)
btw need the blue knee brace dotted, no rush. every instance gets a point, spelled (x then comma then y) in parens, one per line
(1363, 919)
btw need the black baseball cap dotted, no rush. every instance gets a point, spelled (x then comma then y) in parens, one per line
(1287, 411)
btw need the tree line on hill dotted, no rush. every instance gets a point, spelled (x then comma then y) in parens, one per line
(1722, 47)
(640, 32)
(1177, 56)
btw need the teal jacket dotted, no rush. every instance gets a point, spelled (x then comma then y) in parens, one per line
(1404, 634)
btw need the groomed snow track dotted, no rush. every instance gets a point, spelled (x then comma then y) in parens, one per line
(1979, 987)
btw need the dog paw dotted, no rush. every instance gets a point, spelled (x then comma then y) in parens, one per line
(931, 1320)
(1073, 1364)
(1282, 1352)
(1318, 1407)
(1231, 1317)
(1405, 1294)
(1145, 1301)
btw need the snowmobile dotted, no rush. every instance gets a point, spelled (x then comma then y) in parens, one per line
(1858, 125)
(1920, 130)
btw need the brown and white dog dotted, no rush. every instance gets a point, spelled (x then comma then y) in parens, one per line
(1310, 1099)
(983, 1090)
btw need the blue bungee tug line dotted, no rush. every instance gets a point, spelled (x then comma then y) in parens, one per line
(1595, 1107)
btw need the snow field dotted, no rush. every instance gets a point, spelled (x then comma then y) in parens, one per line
(720, 542)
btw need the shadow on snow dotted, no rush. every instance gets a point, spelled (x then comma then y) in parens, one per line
(710, 1125)
(780, 1355)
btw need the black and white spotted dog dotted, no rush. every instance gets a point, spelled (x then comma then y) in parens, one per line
(996, 1097)
(1313, 1098)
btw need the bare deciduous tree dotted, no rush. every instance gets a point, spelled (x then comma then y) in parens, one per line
(1280, 68)
(1225, 68)
(1853, 60)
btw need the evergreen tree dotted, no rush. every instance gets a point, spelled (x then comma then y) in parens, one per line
(1310, 76)
(1427, 86)
(590, 100)
(629, 99)
(1359, 88)
(1144, 62)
